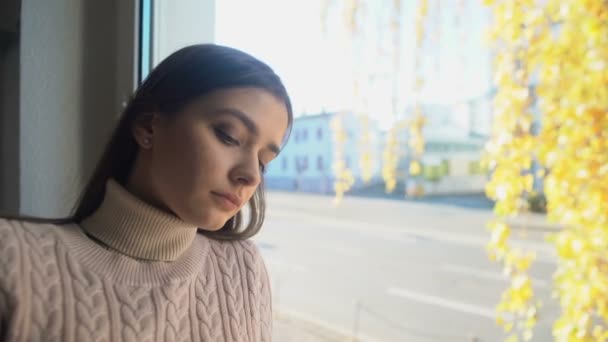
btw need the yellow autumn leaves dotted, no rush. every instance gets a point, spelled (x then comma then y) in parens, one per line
(390, 159)
(552, 74)
(344, 178)
(392, 151)
(550, 128)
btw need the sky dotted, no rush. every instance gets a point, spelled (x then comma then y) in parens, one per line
(317, 67)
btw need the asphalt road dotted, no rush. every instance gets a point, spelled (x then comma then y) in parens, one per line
(385, 270)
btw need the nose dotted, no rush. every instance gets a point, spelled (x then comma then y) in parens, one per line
(247, 172)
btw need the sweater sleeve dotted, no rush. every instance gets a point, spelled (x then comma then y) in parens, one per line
(262, 291)
(265, 295)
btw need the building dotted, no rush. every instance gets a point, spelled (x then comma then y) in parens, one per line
(307, 160)
(455, 136)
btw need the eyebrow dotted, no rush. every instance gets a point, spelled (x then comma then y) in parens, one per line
(249, 124)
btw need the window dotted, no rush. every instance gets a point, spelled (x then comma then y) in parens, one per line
(145, 43)
(251, 26)
(301, 163)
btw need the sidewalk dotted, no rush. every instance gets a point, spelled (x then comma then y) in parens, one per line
(533, 221)
(291, 330)
(294, 327)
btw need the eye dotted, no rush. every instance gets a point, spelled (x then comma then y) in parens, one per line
(225, 137)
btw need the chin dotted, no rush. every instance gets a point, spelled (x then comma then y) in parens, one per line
(211, 228)
(212, 225)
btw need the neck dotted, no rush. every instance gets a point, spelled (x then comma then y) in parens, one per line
(135, 228)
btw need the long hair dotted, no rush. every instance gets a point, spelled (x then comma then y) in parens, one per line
(182, 77)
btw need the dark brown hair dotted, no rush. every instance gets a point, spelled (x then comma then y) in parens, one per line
(182, 77)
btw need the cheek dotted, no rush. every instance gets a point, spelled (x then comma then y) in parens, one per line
(183, 155)
(203, 158)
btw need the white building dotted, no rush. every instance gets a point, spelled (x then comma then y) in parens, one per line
(454, 137)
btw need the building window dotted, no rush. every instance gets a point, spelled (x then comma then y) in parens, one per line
(284, 164)
(320, 163)
(304, 135)
(319, 133)
(297, 136)
(301, 163)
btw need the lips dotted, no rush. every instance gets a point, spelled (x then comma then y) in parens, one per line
(230, 198)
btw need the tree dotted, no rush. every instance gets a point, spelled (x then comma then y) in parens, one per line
(550, 110)
(562, 46)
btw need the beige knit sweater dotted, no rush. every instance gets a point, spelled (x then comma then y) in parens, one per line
(138, 274)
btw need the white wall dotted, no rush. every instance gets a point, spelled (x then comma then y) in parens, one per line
(50, 146)
(72, 64)
(68, 80)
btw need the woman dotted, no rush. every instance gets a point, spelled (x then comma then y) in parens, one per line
(154, 250)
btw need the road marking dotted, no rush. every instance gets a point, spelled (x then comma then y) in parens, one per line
(442, 302)
(487, 274)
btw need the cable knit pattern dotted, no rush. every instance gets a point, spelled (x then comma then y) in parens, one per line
(231, 283)
(46, 296)
(247, 259)
(176, 299)
(9, 264)
(57, 284)
(264, 290)
(207, 306)
(136, 313)
(90, 303)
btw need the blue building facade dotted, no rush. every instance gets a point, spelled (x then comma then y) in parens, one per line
(306, 162)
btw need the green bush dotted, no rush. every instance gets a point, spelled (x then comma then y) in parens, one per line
(432, 172)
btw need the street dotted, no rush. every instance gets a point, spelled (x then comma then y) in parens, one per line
(385, 270)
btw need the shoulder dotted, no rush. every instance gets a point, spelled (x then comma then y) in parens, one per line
(10, 249)
(240, 252)
(15, 233)
(11, 252)
(7, 230)
(23, 242)
(12, 236)
(246, 250)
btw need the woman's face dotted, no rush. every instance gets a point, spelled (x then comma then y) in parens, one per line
(205, 162)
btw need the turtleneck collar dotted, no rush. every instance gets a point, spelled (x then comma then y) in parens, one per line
(130, 226)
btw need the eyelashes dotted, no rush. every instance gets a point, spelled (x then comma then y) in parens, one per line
(227, 139)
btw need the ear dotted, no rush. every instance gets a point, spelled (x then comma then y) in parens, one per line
(144, 129)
